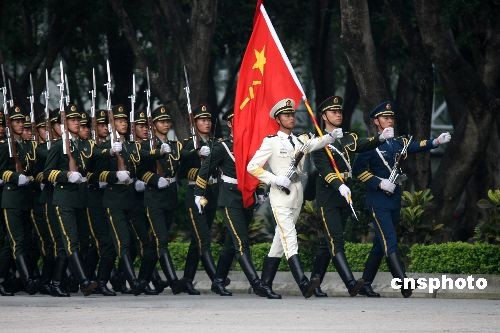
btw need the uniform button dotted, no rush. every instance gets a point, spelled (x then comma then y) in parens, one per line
(62, 186)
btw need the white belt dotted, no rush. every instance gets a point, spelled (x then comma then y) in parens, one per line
(229, 180)
(211, 181)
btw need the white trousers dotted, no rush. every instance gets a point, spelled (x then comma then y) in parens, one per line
(285, 235)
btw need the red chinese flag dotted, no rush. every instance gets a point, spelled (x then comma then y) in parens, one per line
(266, 77)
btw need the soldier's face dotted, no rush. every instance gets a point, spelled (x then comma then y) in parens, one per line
(333, 117)
(2, 131)
(73, 125)
(84, 132)
(383, 122)
(27, 134)
(141, 131)
(42, 132)
(17, 126)
(121, 126)
(204, 125)
(163, 126)
(230, 125)
(102, 131)
(57, 129)
(287, 120)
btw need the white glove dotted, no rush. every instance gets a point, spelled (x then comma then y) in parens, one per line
(163, 182)
(387, 186)
(22, 180)
(197, 201)
(1, 181)
(282, 181)
(345, 191)
(337, 133)
(205, 151)
(74, 177)
(387, 133)
(261, 198)
(42, 186)
(84, 179)
(116, 147)
(442, 138)
(103, 184)
(140, 186)
(165, 149)
(123, 176)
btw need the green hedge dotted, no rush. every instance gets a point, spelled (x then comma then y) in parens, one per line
(458, 258)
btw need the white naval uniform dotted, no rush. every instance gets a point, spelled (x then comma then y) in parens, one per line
(277, 152)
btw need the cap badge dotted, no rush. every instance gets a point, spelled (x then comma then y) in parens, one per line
(203, 108)
(388, 106)
(73, 108)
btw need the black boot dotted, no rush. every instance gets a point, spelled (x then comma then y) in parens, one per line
(353, 286)
(157, 281)
(397, 269)
(269, 269)
(91, 260)
(106, 265)
(4, 292)
(47, 269)
(306, 287)
(55, 284)
(189, 272)
(169, 271)
(260, 289)
(86, 286)
(129, 272)
(31, 285)
(371, 267)
(319, 270)
(223, 267)
(208, 263)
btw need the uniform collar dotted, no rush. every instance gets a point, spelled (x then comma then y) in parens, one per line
(282, 134)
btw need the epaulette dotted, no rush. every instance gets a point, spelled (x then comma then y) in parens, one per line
(304, 133)
(271, 135)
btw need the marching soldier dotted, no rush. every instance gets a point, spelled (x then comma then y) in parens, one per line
(383, 197)
(17, 172)
(332, 193)
(200, 223)
(118, 170)
(236, 217)
(66, 172)
(278, 152)
(96, 216)
(5, 252)
(160, 167)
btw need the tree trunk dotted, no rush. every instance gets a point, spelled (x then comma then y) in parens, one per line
(360, 51)
(471, 136)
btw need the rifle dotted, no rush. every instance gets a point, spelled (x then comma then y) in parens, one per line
(151, 131)
(48, 136)
(11, 100)
(67, 89)
(111, 123)
(8, 128)
(151, 134)
(132, 111)
(92, 108)
(291, 172)
(72, 166)
(31, 98)
(192, 125)
(396, 175)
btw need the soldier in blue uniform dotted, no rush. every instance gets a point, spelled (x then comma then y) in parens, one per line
(383, 197)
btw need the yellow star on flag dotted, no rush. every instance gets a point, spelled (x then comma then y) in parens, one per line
(260, 60)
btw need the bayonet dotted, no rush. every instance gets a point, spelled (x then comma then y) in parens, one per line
(132, 111)
(31, 98)
(192, 125)
(92, 106)
(48, 136)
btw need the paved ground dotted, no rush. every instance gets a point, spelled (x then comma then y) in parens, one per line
(245, 313)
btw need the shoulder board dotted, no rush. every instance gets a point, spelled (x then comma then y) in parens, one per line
(304, 133)
(271, 135)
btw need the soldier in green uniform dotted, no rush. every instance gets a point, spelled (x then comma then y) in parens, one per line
(160, 167)
(332, 193)
(17, 172)
(118, 170)
(236, 217)
(67, 197)
(200, 223)
(5, 252)
(96, 217)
